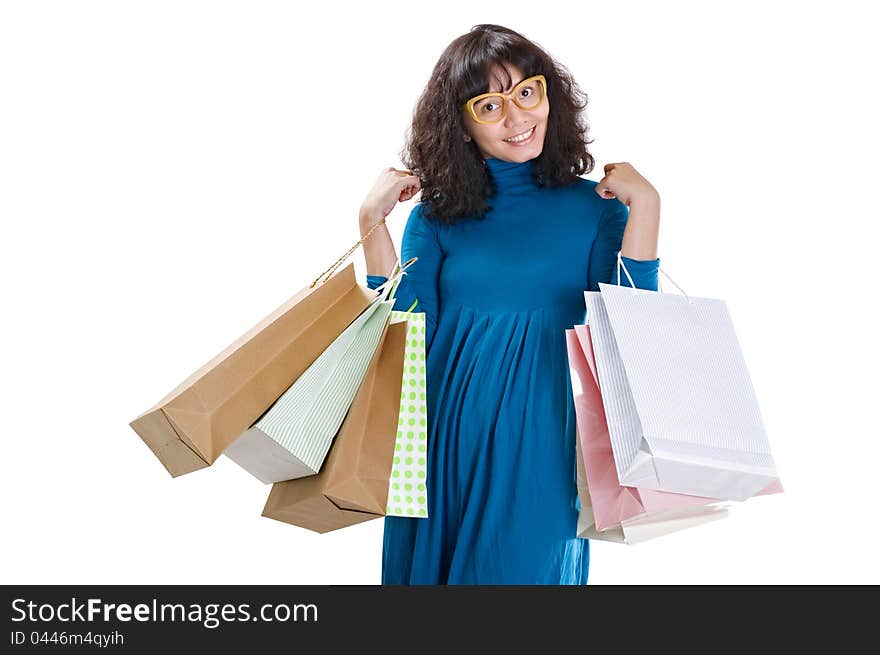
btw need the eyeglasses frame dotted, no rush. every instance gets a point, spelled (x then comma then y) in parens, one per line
(469, 105)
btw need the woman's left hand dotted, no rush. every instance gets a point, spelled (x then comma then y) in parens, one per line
(624, 182)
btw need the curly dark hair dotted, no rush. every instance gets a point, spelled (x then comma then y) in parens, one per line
(455, 182)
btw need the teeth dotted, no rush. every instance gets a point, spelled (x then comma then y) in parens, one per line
(522, 137)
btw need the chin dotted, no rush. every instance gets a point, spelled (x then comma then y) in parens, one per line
(531, 153)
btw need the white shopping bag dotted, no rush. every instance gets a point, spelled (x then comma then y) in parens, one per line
(681, 409)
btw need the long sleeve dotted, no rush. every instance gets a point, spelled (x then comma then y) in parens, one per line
(603, 258)
(421, 282)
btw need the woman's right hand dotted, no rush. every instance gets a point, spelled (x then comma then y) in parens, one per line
(391, 187)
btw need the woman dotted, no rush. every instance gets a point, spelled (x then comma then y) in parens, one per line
(508, 237)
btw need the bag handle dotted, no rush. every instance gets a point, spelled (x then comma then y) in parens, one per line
(620, 265)
(329, 272)
(398, 269)
(393, 278)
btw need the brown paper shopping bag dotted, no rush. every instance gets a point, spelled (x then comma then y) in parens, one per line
(190, 427)
(352, 486)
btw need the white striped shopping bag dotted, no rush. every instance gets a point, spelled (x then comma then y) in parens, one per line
(682, 412)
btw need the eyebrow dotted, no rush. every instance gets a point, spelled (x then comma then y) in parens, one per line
(512, 86)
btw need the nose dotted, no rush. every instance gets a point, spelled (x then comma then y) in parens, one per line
(513, 115)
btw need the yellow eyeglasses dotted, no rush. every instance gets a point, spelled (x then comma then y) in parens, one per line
(491, 107)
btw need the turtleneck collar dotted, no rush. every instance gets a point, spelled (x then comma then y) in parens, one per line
(512, 176)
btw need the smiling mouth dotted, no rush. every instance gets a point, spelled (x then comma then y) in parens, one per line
(523, 136)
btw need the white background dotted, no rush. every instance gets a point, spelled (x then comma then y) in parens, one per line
(170, 172)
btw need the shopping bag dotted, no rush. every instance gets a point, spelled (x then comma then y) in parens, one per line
(408, 495)
(680, 405)
(639, 513)
(352, 485)
(291, 439)
(190, 427)
(640, 528)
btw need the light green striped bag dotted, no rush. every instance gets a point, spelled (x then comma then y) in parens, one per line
(292, 438)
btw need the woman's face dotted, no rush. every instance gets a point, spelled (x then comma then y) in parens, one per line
(490, 138)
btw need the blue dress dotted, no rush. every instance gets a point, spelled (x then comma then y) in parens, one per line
(498, 294)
